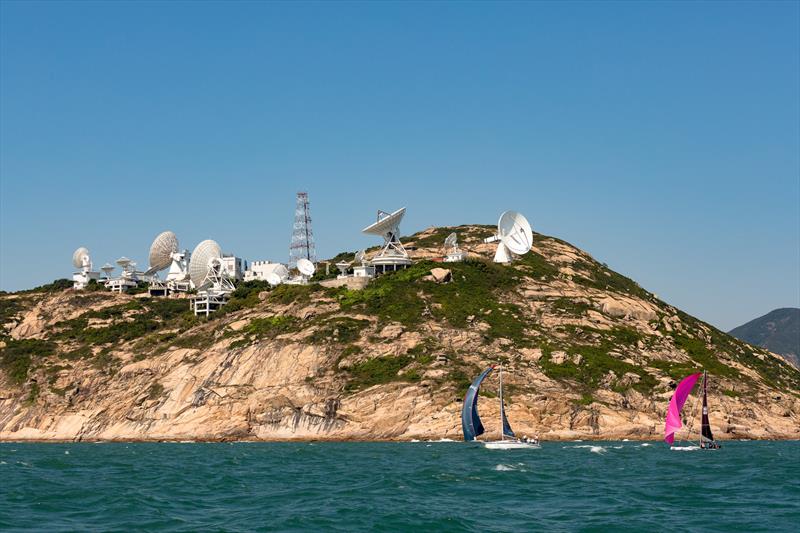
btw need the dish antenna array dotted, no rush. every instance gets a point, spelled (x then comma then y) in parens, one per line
(165, 252)
(453, 254)
(514, 234)
(392, 256)
(83, 262)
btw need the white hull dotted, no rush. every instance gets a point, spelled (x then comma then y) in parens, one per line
(510, 445)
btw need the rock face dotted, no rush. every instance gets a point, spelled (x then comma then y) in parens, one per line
(587, 354)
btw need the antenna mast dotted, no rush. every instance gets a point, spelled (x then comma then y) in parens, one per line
(302, 246)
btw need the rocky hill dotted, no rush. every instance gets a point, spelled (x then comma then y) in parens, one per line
(778, 331)
(588, 353)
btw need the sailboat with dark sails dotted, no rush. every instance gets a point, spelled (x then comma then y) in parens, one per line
(473, 427)
(673, 420)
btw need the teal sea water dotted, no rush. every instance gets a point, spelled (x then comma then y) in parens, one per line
(438, 486)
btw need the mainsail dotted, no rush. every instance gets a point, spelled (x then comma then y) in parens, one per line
(682, 391)
(507, 431)
(706, 431)
(470, 421)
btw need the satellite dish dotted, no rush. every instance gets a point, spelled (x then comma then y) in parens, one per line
(107, 268)
(123, 262)
(515, 235)
(273, 279)
(360, 256)
(387, 224)
(281, 271)
(343, 266)
(161, 251)
(451, 240)
(306, 267)
(80, 258)
(205, 258)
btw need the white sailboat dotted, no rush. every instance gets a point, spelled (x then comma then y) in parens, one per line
(471, 422)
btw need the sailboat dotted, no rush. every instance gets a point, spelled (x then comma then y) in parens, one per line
(673, 422)
(471, 422)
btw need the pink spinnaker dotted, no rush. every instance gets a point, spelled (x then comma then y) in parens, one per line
(676, 404)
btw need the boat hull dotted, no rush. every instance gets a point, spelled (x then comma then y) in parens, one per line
(510, 445)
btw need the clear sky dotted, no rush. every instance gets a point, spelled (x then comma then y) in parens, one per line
(663, 138)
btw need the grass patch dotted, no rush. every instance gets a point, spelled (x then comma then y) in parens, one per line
(17, 357)
(376, 371)
(155, 391)
(343, 330)
(596, 364)
(703, 356)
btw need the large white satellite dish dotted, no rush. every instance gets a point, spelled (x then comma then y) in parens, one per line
(515, 235)
(451, 240)
(80, 258)
(392, 256)
(306, 267)
(387, 223)
(360, 256)
(273, 279)
(160, 257)
(206, 260)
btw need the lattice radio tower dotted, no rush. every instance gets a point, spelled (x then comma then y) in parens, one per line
(302, 246)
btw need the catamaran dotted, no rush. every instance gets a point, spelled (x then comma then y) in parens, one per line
(673, 422)
(471, 422)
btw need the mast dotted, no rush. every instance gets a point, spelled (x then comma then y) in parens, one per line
(705, 430)
(502, 433)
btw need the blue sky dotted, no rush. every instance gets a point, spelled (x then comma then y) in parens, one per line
(663, 138)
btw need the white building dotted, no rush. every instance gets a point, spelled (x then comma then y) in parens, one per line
(234, 266)
(259, 269)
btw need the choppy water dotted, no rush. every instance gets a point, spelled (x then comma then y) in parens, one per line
(588, 486)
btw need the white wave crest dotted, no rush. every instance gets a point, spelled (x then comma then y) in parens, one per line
(684, 448)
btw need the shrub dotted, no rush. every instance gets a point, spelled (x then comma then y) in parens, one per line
(18, 355)
(376, 371)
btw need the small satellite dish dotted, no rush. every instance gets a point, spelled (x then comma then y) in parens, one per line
(123, 262)
(306, 267)
(515, 235)
(451, 240)
(343, 266)
(80, 258)
(273, 279)
(281, 271)
(107, 268)
(360, 256)
(160, 257)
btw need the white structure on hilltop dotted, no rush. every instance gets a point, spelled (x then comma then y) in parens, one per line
(261, 270)
(83, 262)
(306, 269)
(165, 252)
(128, 278)
(235, 267)
(453, 253)
(392, 256)
(514, 234)
(210, 277)
(364, 269)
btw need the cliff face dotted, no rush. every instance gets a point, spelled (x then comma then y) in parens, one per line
(588, 354)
